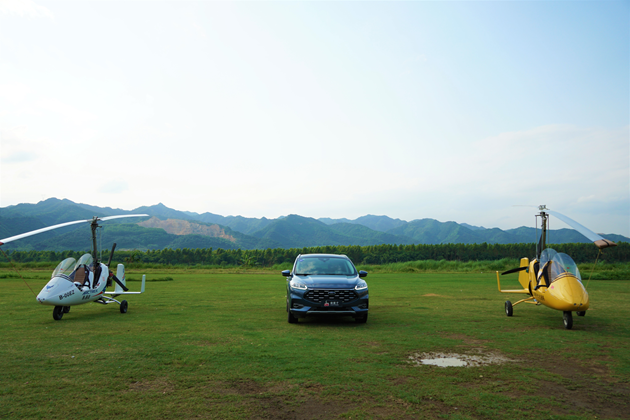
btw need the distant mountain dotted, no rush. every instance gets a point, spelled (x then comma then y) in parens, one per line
(369, 236)
(297, 232)
(471, 227)
(169, 228)
(378, 223)
(162, 212)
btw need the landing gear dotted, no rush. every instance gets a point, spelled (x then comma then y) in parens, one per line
(361, 320)
(508, 308)
(567, 317)
(66, 309)
(581, 313)
(58, 313)
(123, 307)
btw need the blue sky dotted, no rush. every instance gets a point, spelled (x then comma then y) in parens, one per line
(448, 110)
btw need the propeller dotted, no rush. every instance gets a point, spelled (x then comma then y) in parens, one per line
(111, 255)
(112, 276)
(514, 270)
(120, 283)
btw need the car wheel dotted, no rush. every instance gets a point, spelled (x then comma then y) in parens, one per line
(361, 320)
(508, 308)
(123, 307)
(58, 313)
(292, 319)
(567, 317)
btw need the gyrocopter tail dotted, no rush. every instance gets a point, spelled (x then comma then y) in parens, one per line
(121, 284)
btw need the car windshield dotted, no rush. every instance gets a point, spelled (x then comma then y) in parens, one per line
(322, 266)
(65, 268)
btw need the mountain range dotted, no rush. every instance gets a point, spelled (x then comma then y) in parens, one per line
(169, 228)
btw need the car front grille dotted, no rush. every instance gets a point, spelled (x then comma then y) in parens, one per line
(323, 295)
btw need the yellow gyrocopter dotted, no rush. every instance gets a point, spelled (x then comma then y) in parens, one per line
(552, 278)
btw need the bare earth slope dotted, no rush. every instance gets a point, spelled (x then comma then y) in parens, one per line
(184, 227)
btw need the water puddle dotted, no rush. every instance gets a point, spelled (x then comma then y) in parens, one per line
(457, 360)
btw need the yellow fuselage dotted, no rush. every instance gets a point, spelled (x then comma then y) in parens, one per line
(565, 293)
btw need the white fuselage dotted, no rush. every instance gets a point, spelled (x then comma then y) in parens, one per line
(61, 291)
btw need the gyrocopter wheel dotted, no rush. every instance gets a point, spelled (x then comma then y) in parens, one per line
(508, 308)
(58, 313)
(567, 317)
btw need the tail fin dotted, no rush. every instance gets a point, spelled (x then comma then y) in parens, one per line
(523, 276)
(120, 274)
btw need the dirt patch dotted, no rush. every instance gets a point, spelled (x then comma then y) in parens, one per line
(585, 387)
(156, 385)
(458, 360)
(270, 401)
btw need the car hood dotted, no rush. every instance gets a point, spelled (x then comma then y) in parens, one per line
(328, 281)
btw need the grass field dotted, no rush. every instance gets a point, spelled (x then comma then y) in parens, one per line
(217, 345)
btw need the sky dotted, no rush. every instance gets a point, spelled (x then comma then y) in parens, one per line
(465, 111)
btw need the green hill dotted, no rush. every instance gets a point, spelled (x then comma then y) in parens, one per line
(212, 230)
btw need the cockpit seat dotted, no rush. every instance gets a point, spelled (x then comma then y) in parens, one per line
(82, 277)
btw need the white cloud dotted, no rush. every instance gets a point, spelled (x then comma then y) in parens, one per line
(25, 8)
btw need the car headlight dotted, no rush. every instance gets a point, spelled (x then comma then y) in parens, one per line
(297, 285)
(361, 285)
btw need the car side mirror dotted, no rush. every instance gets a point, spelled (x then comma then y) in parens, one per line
(286, 273)
(363, 273)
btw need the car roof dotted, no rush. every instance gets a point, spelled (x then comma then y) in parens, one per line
(324, 255)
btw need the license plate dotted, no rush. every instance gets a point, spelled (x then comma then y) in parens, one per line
(332, 303)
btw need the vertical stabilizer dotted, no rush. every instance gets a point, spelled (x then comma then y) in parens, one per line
(120, 274)
(523, 276)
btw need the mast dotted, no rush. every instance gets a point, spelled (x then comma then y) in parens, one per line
(94, 225)
(543, 235)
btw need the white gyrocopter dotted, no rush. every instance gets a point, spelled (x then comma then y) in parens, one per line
(78, 282)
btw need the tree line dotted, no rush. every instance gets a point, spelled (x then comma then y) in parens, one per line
(365, 255)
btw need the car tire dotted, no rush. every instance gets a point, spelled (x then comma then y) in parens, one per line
(292, 319)
(361, 320)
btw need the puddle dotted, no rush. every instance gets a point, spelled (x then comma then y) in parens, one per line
(444, 362)
(457, 360)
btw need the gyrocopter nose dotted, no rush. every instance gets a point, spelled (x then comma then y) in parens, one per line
(570, 293)
(54, 291)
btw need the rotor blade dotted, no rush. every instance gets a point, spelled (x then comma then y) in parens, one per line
(120, 283)
(514, 270)
(592, 236)
(124, 215)
(35, 232)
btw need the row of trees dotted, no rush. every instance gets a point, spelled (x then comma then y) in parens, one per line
(373, 254)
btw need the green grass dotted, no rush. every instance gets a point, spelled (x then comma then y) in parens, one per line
(217, 345)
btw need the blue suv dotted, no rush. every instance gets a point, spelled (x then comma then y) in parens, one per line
(326, 284)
